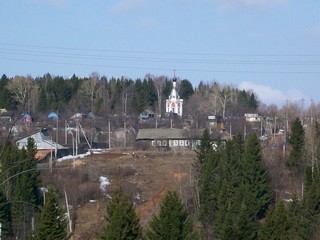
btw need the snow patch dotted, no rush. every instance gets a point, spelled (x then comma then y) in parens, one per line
(104, 182)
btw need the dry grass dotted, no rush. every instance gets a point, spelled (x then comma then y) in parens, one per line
(146, 175)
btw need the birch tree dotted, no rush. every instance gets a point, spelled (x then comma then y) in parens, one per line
(21, 87)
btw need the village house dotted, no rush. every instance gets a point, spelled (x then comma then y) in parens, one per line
(43, 141)
(169, 138)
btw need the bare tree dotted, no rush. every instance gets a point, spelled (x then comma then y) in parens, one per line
(211, 99)
(21, 87)
(89, 87)
(159, 83)
(224, 98)
(313, 145)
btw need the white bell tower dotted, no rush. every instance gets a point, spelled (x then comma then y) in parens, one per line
(174, 103)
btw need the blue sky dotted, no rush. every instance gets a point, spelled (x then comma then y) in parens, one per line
(270, 46)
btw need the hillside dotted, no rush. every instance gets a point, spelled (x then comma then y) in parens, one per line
(147, 175)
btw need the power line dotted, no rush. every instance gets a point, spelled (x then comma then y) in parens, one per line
(161, 69)
(162, 53)
(154, 59)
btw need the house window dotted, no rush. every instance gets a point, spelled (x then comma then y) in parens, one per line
(181, 143)
(164, 143)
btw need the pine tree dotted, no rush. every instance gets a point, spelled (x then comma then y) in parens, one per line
(297, 143)
(256, 185)
(32, 176)
(276, 224)
(173, 221)
(203, 149)
(311, 204)
(52, 222)
(205, 171)
(5, 217)
(25, 191)
(121, 219)
(246, 228)
(299, 220)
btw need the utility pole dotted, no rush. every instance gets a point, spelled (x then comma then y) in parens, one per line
(124, 119)
(275, 126)
(302, 101)
(68, 212)
(311, 111)
(109, 134)
(285, 131)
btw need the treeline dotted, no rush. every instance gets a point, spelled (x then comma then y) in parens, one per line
(120, 96)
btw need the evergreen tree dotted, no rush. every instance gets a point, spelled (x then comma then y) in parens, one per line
(32, 176)
(276, 224)
(173, 221)
(299, 220)
(256, 187)
(311, 204)
(204, 166)
(122, 221)
(6, 97)
(25, 191)
(5, 217)
(140, 96)
(203, 150)
(226, 184)
(43, 101)
(246, 228)
(297, 143)
(52, 223)
(185, 89)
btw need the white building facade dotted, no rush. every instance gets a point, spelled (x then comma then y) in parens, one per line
(174, 104)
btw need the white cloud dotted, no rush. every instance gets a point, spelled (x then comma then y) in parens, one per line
(265, 93)
(269, 95)
(127, 6)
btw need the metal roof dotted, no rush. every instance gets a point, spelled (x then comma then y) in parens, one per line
(168, 133)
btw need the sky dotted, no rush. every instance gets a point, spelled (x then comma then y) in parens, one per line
(269, 46)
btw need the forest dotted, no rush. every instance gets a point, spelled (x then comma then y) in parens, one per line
(124, 96)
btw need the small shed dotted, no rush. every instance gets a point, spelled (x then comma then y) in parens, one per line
(146, 114)
(5, 116)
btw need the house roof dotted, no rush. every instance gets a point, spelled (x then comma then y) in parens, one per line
(6, 114)
(148, 112)
(168, 133)
(42, 139)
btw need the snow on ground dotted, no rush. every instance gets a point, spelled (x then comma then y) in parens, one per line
(73, 157)
(93, 151)
(104, 182)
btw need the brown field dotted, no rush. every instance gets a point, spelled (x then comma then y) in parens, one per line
(147, 175)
